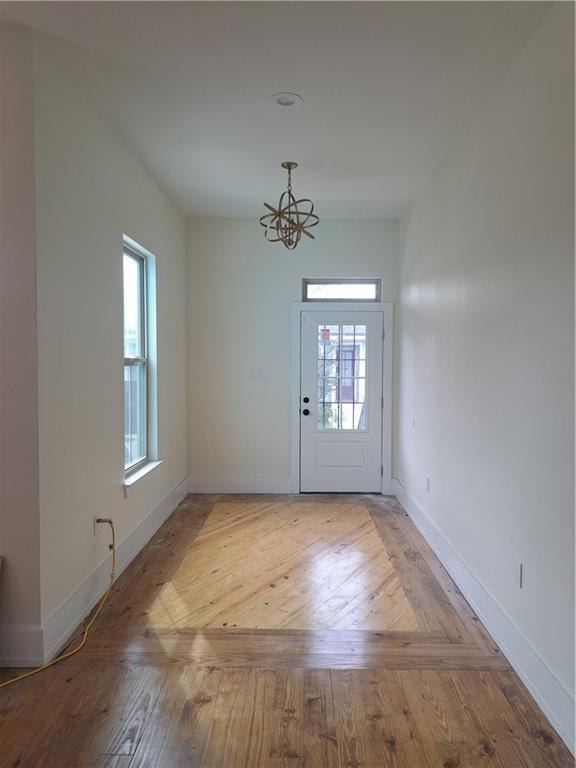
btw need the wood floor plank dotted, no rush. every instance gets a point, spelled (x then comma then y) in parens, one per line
(320, 743)
(113, 761)
(180, 722)
(403, 726)
(286, 727)
(352, 733)
(125, 707)
(530, 720)
(441, 727)
(249, 740)
(490, 719)
(224, 717)
(291, 648)
(393, 728)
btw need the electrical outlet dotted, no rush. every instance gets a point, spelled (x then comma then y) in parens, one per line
(427, 485)
(97, 521)
(519, 574)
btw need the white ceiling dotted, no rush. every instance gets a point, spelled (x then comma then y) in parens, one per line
(387, 89)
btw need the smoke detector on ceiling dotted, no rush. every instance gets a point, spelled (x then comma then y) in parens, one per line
(287, 99)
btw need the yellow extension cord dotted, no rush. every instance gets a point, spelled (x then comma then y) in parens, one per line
(90, 623)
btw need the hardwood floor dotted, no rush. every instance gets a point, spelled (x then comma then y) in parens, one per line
(264, 631)
(285, 566)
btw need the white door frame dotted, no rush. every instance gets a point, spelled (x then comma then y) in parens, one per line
(387, 310)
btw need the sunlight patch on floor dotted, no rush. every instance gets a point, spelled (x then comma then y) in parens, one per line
(285, 566)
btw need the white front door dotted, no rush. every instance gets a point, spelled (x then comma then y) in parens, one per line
(341, 401)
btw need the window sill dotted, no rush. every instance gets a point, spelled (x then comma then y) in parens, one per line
(140, 474)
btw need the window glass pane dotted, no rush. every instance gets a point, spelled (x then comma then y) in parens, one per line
(341, 376)
(330, 420)
(359, 416)
(320, 409)
(330, 390)
(134, 413)
(347, 416)
(133, 309)
(346, 390)
(360, 341)
(354, 290)
(330, 368)
(328, 339)
(359, 390)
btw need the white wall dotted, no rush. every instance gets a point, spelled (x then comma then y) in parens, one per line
(19, 525)
(487, 368)
(240, 292)
(89, 191)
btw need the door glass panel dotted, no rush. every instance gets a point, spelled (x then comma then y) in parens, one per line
(341, 376)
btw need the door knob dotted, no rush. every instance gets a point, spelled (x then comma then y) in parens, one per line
(305, 412)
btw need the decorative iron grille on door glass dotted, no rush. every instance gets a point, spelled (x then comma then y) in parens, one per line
(342, 376)
(135, 362)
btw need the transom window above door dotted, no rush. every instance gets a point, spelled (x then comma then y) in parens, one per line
(341, 289)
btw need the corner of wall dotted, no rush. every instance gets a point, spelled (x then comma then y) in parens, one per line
(20, 601)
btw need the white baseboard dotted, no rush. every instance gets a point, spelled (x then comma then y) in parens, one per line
(21, 646)
(256, 484)
(549, 693)
(242, 484)
(59, 627)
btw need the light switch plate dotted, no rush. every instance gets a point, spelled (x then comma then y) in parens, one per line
(259, 374)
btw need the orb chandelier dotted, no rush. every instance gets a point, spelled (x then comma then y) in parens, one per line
(292, 219)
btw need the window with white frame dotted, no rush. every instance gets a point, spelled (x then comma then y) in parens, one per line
(136, 362)
(341, 289)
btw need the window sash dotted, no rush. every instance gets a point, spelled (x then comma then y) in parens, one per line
(135, 414)
(136, 383)
(142, 304)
